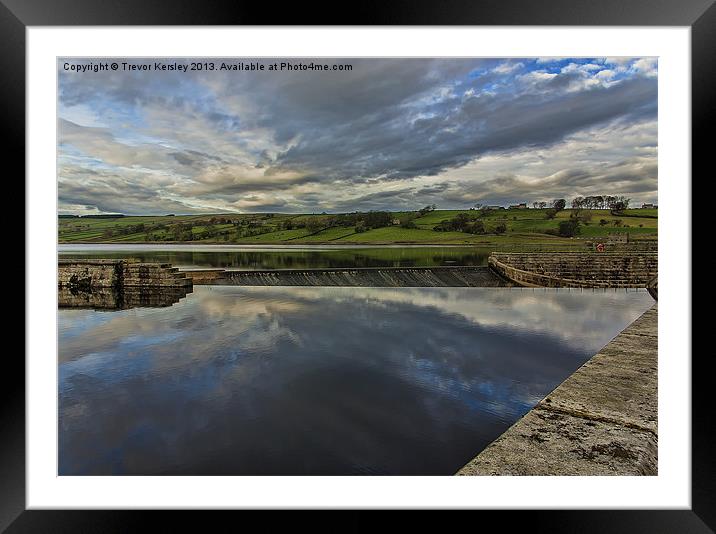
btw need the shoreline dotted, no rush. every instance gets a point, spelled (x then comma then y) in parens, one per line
(575, 244)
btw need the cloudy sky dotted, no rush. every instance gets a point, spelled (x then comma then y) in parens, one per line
(389, 134)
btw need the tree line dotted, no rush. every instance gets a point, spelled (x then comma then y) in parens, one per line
(595, 202)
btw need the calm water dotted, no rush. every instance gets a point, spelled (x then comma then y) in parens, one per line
(309, 381)
(282, 257)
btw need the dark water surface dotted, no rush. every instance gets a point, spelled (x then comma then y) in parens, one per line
(318, 381)
(282, 257)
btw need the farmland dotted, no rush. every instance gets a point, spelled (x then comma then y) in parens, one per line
(484, 227)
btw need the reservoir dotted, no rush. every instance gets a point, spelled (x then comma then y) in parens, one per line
(247, 257)
(317, 380)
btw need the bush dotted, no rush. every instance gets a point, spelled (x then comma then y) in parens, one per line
(501, 228)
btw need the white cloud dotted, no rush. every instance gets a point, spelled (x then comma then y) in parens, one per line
(508, 67)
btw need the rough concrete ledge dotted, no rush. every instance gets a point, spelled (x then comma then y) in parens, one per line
(602, 420)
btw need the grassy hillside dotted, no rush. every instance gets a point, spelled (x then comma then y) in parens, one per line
(520, 226)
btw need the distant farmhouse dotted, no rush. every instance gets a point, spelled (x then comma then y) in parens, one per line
(522, 206)
(649, 206)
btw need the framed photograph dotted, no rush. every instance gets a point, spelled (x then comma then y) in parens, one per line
(404, 261)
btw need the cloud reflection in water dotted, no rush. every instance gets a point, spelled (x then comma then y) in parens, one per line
(296, 381)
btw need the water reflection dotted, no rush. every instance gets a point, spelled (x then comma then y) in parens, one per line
(296, 381)
(205, 256)
(109, 298)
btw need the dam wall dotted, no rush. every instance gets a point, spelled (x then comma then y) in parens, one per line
(576, 269)
(356, 277)
(100, 273)
(602, 420)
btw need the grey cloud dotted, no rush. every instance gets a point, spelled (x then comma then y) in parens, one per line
(353, 133)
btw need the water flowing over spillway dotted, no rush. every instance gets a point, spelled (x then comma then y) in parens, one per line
(386, 277)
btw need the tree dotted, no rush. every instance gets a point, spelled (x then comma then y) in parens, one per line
(569, 227)
(314, 224)
(377, 219)
(551, 213)
(620, 204)
(476, 227)
(580, 215)
(427, 209)
(559, 204)
(501, 228)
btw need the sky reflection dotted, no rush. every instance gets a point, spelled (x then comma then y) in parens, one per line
(295, 380)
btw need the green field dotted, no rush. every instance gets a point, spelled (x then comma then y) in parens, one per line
(527, 226)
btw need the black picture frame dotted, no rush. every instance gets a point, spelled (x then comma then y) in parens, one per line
(16, 15)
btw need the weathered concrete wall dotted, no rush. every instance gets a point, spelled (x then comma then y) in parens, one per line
(153, 275)
(576, 269)
(358, 277)
(602, 420)
(89, 273)
(86, 274)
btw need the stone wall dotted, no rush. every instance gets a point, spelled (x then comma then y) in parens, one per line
(153, 275)
(576, 269)
(86, 274)
(89, 273)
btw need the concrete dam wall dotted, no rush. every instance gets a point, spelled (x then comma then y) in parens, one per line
(357, 277)
(93, 274)
(577, 269)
